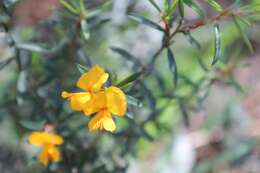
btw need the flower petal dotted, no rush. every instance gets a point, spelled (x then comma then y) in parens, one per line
(37, 138)
(116, 101)
(93, 80)
(49, 153)
(42, 138)
(102, 121)
(56, 139)
(77, 100)
(97, 102)
(109, 124)
(95, 123)
(43, 157)
(54, 153)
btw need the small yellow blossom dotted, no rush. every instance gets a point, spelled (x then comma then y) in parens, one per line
(104, 102)
(93, 80)
(48, 142)
(90, 82)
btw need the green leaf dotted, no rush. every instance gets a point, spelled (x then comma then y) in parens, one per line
(159, 80)
(242, 33)
(215, 5)
(172, 66)
(5, 63)
(82, 69)
(155, 5)
(129, 115)
(173, 6)
(149, 96)
(32, 47)
(181, 7)
(192, 40)
(236, 84)
(95, 25)
(217, 50)
(32, 125)
(82, 6)
(185, 114)
(129, 79)
(195, 7)
(126, 55)
(244, 20)
(166, 4)
(145, 21)
(84, 29)
(69, 7)
(103, 5)
(133, 101)
(188, 81)
(113, 78)
(205, 86)
(202, 64)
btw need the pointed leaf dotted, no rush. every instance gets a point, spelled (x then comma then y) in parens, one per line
(215, 5)
(97, 24)
(173, 6)
(181, 7)
(172, 66)
(195, 7)
(185, 114)
(82, 69)
(129, 115)
(32, 47)
(69, 7)
(149, 95)
(134, 101)
(32, 125)
(126, 55)
(192, 40)
(5, 63)
(202, 64)
(146, 21)
(243, 34)
(155, 5)
(166, 4)
(84, 29)
(129, 79)
(217, 54)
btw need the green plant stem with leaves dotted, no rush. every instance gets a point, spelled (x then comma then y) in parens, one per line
(180, 28)
(46, 78)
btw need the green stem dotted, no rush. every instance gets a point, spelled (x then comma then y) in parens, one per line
(70, 7)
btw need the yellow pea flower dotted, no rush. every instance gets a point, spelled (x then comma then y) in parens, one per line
(48, 142)
(93, 80)
(90, 82)
(106, 103)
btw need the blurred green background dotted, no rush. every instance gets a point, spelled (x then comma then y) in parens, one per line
(208, 123)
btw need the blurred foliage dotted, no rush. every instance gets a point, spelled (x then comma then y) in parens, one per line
(163, 88)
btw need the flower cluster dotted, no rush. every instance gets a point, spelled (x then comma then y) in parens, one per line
(48, 142)
(103, 102)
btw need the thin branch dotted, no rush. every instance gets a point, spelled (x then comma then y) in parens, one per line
(225, 13)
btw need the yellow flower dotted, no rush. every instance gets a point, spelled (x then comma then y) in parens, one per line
(48, 142)
(91, 82)
(77, 100)
(106, 103)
